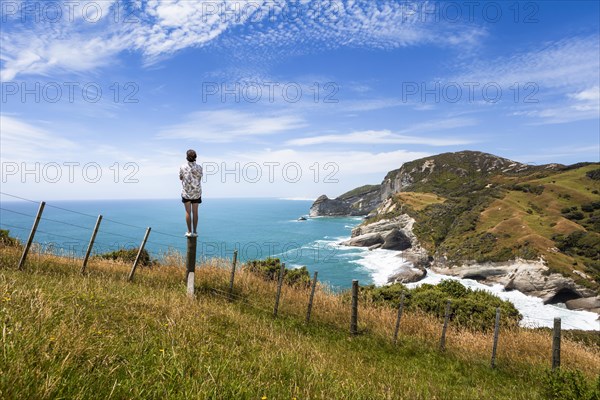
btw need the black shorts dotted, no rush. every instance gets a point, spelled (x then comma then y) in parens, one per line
(193, 201)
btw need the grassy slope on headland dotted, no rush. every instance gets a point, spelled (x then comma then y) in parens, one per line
(501, 217)
(65, 335)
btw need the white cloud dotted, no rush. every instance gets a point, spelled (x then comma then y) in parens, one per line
(21, 141)
(581, 105)
(161, 28)
(330, 172)
(228, 125)
(591, 94)
(75, 41)
(400, 137)
(563, 74)
(570, 63)
(592, 152)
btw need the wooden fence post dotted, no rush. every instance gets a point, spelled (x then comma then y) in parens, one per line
(91, 245)
(354, 316)
(397, 329)
(235, 253)
(446, 318)
(190, 264)
(31, 235)
(279, 284)
(556, 344)
(496, 334)
(139, 254)
(311, 297)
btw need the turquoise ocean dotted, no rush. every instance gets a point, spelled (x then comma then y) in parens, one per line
(256, 228)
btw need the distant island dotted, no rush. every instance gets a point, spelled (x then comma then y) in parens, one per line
(475, 215)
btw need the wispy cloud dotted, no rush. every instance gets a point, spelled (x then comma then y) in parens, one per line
(229, 125)
(21, 141)
(348, 163)
(567, 63)
(65, 44)
(564, 73)
(400, 137)
(591, 152)
(158, 29)
(325, 25)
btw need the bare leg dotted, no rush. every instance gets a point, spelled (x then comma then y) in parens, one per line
(188, 219)
(195, 210)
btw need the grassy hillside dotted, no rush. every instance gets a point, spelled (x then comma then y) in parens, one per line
(358, 192)
(65, 335)
(492, 216)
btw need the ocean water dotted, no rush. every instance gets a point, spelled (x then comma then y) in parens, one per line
(257, 228)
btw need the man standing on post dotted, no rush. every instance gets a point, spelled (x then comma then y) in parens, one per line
(190, 175)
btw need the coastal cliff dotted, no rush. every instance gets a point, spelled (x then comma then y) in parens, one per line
(474, 215)
(359, 201)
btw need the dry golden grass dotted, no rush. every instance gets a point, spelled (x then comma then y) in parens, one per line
(517, 346)
(418, 201)
(244, 330)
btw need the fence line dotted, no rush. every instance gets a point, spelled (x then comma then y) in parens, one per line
(230, 293)
(244, 300)
(160, 246)
(17, 212)
(15, 227)
(59, 235)
(18, 197)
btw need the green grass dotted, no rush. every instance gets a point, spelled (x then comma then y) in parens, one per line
(500, 217)
(97, 336)
(358, 191)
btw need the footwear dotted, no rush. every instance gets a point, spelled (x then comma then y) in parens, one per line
(194, 234)
(188, 234)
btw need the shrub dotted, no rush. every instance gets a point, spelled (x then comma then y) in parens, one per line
(594, 174)
(389, 294)
(472, 309)
(297, 277)
(128, 256)
(567, 210)
(574, 215)
(6, 239)
(454, 289)
(527, 188)
(579, 243)
(269, 268)
(587, 208)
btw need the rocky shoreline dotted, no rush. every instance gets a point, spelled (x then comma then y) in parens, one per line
(526, 276)
(450, 194)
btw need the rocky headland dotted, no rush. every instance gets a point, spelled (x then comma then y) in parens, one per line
(448, 213)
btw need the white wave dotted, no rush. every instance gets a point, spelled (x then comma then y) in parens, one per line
(381, 264)
(535, 312)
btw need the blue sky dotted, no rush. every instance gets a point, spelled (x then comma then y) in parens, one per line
(101, 99)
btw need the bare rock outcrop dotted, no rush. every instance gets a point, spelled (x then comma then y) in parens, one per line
(394, 234)
(408, 275)
(529, 277)
(588, 304)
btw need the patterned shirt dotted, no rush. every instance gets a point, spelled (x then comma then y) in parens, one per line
(190, 174)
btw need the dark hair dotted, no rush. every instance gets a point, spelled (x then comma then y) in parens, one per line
(191, 155)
